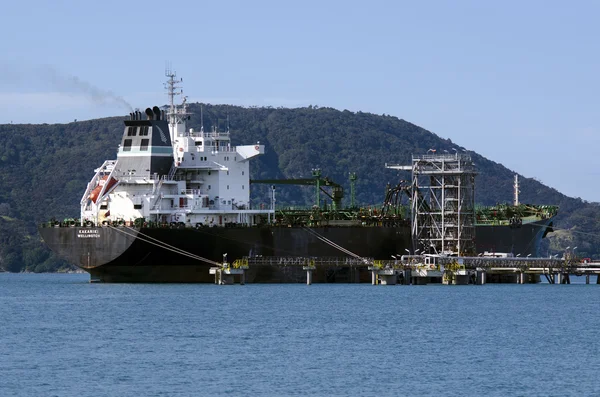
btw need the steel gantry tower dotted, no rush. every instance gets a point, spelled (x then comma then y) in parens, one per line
(442, 203)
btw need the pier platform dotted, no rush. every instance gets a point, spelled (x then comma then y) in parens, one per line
(406, 270)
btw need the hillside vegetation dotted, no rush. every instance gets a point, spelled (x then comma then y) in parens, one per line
(44, 169)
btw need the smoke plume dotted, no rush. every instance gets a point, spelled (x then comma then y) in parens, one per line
(20, 75)
(70, 83)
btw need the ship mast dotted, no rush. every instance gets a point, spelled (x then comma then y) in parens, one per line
(516, 186)
(177, 116)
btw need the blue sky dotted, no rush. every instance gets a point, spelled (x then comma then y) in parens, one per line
(514, 81)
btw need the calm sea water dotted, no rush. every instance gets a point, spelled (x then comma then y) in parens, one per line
(61, 336)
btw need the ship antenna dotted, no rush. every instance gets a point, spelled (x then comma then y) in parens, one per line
(516, 201)
(201, 118)
(171, 86)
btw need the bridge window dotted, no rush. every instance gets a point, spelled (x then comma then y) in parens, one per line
(127, 145)
(144, 144)
(131, 131)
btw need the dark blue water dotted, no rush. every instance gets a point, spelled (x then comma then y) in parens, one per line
(61, 336)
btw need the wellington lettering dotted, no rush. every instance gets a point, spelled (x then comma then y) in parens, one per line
(88, 233)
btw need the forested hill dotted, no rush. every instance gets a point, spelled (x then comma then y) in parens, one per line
(44, 169)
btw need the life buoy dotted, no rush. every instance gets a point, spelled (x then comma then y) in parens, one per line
(181, 149)
(256, 147)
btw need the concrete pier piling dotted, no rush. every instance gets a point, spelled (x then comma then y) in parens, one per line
(309, 274)
(388, 276)
(225, 275)
(480, 277)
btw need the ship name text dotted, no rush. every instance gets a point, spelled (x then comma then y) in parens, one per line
(88, 233)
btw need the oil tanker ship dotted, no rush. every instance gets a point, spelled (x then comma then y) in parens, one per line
(176, 202)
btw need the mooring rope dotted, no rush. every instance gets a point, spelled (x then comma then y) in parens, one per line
(331, 243)
(158, 243)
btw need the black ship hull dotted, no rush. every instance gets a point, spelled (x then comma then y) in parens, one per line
(520, 240)
(126, 254)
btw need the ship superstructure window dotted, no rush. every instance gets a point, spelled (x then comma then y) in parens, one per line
(144, 130)
(144, 144)
(198, 143)
(131, 131)
(137, 206)
(127, 145)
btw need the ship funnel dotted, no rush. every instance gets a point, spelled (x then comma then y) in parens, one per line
(130, 115)
(156, 111)
(149, 114)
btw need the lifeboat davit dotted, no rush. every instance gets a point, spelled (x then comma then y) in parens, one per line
(103, 181)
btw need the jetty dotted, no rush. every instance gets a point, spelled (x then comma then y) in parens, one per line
(413, 269)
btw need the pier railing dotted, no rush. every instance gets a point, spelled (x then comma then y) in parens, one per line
(417, 262)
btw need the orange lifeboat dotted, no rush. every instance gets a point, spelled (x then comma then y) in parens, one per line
(96, 192)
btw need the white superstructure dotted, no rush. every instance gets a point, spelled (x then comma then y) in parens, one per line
(208, 183)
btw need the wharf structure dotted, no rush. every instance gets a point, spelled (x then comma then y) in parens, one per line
(442, 203)
(413, 269)
(443, 219)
